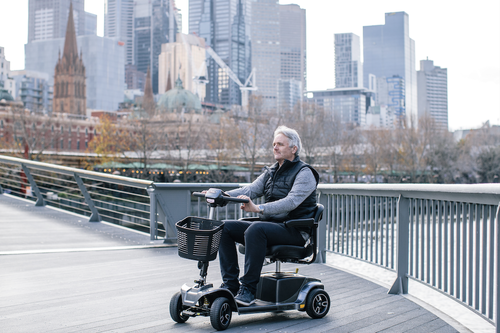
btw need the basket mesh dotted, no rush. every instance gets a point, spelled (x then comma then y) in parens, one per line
(199, 238)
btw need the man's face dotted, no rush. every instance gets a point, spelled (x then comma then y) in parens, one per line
(282, 150)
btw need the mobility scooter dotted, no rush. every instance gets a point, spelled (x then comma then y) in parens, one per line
(198, 239)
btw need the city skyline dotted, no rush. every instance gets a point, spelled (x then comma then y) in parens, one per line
(473, 71)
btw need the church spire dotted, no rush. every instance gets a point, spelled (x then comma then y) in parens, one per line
(70, 47)
(148, 101)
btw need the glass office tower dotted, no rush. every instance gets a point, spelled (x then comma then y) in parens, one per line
(433, 92)
(224, 24)
(151, 29)
(47, 19)
(389, 51)
(119, 23)
(266, 49)
(348, 66)
(293, 44)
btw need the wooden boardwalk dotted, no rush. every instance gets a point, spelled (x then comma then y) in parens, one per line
(61, 273)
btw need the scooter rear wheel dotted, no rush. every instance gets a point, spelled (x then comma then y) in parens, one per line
(317, 303)
(220, 314)
(176, 309)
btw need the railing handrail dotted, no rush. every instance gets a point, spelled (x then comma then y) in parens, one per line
(71, 171)
(473, 193)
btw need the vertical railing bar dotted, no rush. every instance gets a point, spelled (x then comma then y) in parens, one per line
(423, 213)
(428, 244)
(367, 221)
(433, 244)
(348, 224)
(447, 224)
(329, 230)
(371, 226)
(376, 206)
(411, 240)
(496, 260)
(387, 237)
(356, 220)
(458, 258)
(492, 263)
(452, 247)
(477, 260)
(337, 224)
(417, 235)
(470, 264)
(342, 222)
(484, 255)
(440, 245)
(352, 211)
(393, 234)
(464, 252)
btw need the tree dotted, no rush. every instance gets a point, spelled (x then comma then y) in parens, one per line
(256, 133)
(442, 158)
(488, 162)
(112, 141)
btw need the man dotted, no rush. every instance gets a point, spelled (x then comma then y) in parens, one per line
(289, 188)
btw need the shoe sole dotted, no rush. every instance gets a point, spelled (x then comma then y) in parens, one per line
(244, 303)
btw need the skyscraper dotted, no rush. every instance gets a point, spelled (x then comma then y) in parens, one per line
(266, 49)
(151, 30)
(389, 51)
(47, 18)
(348, 66)
(433, 92)
(224, 24)
(119, 23)
(293, 44)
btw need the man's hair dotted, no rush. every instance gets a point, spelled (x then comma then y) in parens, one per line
(292, 135)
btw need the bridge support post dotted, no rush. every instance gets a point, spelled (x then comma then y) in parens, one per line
(34, 187)
(321, 241)
(400, 286)
(153, 224)
(94, 217)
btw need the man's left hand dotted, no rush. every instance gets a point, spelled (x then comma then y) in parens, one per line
(249, 207)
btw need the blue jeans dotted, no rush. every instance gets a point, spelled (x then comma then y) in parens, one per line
(256, 236)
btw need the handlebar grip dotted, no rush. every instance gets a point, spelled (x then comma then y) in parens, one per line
(199, 194)
(236, 199)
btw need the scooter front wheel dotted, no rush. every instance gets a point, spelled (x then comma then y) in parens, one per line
(317, 303)
(176, 309)
(220, 314)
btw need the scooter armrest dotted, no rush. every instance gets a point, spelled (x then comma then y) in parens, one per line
(300, 223)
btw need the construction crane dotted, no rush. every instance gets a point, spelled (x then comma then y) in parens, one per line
(249, 84)
(245, 88)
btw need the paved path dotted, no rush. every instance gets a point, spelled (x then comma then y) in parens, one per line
(61, 273)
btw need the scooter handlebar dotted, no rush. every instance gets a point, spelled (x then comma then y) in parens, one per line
(222, 197)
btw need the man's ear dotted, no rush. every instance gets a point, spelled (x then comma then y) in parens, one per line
(294, 149)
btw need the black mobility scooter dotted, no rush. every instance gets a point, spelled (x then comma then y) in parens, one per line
(198, 239)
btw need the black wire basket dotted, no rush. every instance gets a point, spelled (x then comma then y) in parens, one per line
(198, 238)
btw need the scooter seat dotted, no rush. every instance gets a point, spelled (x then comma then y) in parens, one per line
(288, 252)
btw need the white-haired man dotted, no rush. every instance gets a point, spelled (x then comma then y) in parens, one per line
(289, 189)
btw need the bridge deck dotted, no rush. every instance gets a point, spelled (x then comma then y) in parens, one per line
(60, 273)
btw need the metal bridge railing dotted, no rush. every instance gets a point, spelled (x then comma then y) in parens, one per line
(444, 236)
(100, 196)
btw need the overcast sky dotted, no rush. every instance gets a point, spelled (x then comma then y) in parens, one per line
(463, 37)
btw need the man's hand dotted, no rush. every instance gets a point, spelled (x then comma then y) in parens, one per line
(249, 207)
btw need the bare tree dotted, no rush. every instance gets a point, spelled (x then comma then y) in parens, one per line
(256, 133)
